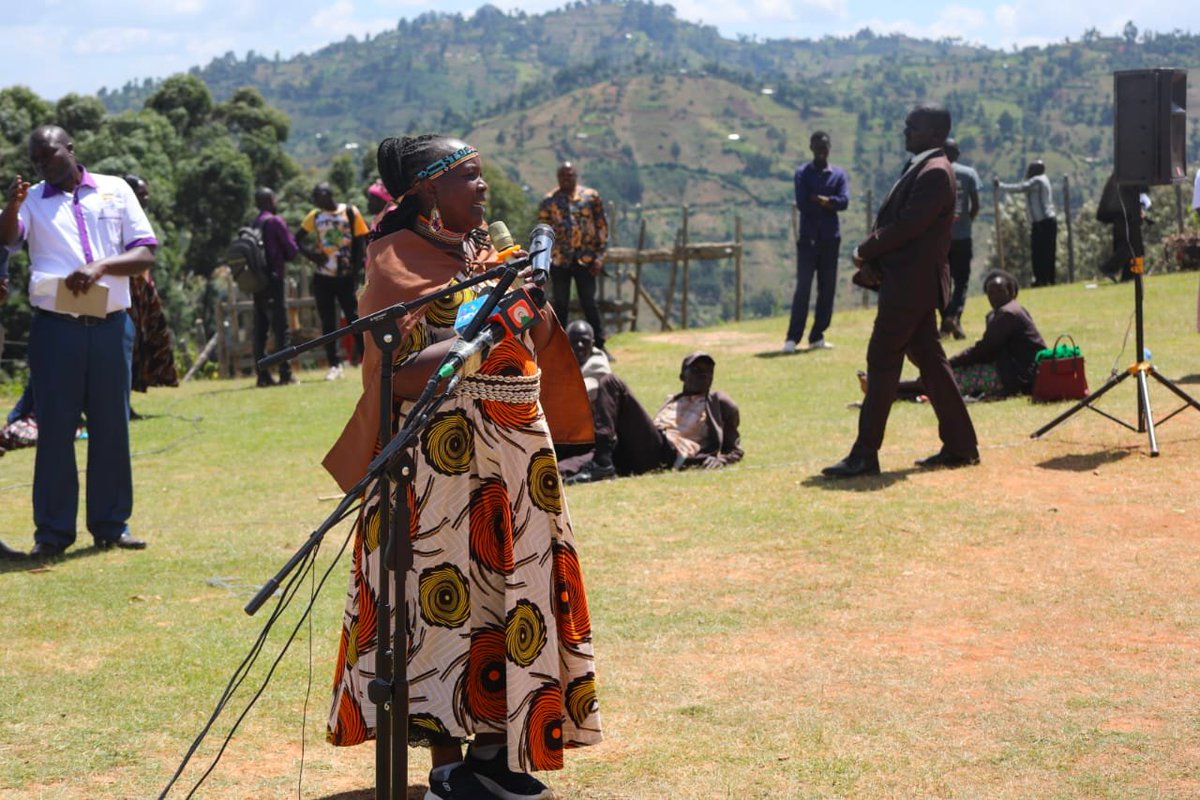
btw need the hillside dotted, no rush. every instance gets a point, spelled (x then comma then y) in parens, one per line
(647, 104)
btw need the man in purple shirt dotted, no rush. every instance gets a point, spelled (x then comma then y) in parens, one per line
(270, 305)
(822, 190)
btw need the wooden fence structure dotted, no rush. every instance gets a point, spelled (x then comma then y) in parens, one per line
(627, 264)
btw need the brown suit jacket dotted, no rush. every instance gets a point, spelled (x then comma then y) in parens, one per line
(910, 240)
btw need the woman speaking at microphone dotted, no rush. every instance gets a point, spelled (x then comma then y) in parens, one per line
(500, 648)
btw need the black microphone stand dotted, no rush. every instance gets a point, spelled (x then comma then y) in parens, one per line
(392, 472)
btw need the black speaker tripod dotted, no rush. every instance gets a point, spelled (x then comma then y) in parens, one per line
(1142, 369)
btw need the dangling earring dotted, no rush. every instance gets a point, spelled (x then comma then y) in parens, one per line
(435, 218)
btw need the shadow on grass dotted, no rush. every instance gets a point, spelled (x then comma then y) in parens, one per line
(37, 564)
(1188, 379)
(414, 793)
(781, 354)
(865, 483)
(1084, 462)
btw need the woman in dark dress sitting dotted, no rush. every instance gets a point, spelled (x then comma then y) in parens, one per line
(1002, 363)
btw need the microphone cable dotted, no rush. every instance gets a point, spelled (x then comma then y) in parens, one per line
(243, 670)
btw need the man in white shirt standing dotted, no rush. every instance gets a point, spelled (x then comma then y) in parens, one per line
(86, 233)
(1043, 223)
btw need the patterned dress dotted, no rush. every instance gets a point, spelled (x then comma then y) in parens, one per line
(497, 615)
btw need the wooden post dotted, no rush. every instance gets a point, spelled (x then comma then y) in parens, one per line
(637, 273)
(999, 242)
(671, 283)
(683, 304)
(1070, 232)
(235, 332)
(1179, 207)
(866, 295)
(737, 268)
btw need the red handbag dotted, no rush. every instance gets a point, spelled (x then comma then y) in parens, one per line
(1061, 378)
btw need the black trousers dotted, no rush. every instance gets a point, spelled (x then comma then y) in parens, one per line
(960, 275)
(626, 435)
(561, 276)
(1043, 236)
(270, 312)
(818, 258)
(330, 291)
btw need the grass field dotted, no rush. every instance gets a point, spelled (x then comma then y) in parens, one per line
(1025, 629)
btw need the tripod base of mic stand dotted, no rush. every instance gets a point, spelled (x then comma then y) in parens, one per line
(1142, 371)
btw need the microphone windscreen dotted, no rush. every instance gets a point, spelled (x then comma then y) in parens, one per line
(501, 239)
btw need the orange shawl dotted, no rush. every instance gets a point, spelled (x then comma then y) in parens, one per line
(401, 267)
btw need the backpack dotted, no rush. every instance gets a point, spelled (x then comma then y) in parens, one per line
(247, 259)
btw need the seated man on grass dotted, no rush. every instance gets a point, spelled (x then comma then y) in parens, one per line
(695, 427)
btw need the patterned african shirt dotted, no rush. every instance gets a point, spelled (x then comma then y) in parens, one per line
(580, 227)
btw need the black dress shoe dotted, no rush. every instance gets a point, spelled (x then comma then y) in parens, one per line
(852, 466)
(125, 541)
(590, 473)
(945, 460)
(46, 550)
(9, 554)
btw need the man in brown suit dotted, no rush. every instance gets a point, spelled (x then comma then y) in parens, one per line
(906, 255)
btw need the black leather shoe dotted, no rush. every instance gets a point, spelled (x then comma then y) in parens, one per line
(125, 541)
(944, 460)
(9, 554)
(43, 550)
(590, 473)
(852, 466)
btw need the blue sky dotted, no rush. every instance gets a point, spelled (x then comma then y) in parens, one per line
(61, 46)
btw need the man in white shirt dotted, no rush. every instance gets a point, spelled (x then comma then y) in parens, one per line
(1043, 222)
(86, 234)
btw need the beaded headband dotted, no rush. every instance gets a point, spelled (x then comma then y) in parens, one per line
(447, 163)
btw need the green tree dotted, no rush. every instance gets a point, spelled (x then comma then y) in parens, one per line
(79, 114)
(184, 100)
(342, 175)
(508, 203)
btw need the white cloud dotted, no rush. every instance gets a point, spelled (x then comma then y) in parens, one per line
(113, 41)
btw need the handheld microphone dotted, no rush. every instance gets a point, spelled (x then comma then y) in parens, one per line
(515, 313)
(541, 243)
(502, 240)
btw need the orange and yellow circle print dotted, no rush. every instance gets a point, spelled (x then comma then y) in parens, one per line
(509, 358)
(581, 698)
(570, 600)
(351, 728)
(491, 526)
(441, 313)
(424, 727)
(544, 488)
(543, 734)
(448, 442)
(445, 598)
(524, 633)
(416, 341)
(485, 677)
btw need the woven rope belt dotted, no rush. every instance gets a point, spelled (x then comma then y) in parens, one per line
(504, 388)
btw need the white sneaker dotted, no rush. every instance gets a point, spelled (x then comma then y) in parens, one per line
(789, 346)
(334, 373)
(820, 344)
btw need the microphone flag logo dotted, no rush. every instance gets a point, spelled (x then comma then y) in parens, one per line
(520, 314)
